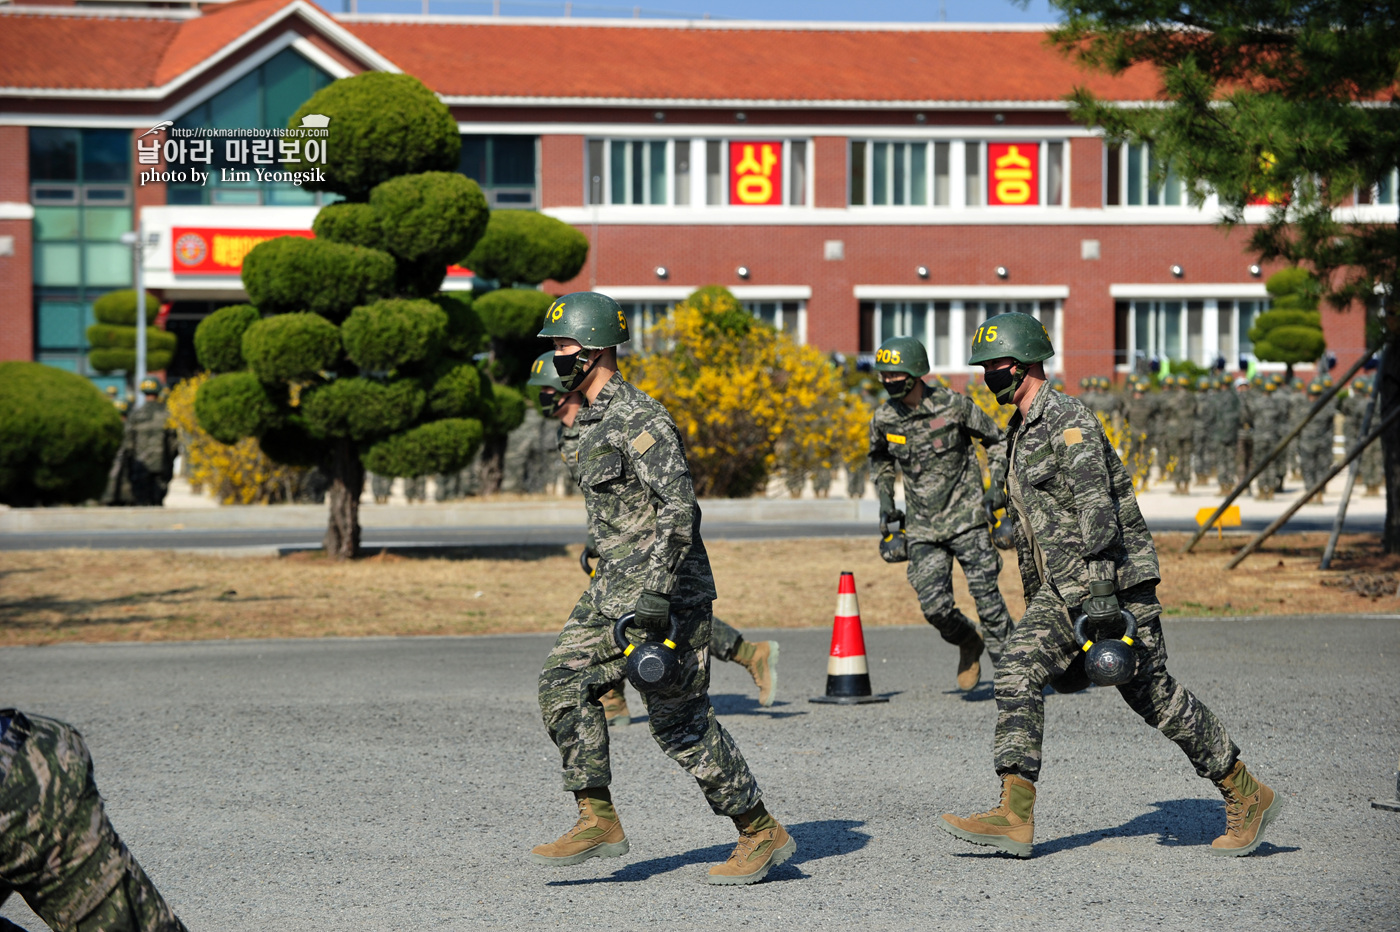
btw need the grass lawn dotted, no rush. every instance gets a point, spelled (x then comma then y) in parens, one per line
(55, 596)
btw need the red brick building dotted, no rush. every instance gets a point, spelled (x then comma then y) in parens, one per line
(848, 182)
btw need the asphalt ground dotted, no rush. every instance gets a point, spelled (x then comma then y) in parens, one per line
(290, 539)
(392, 784)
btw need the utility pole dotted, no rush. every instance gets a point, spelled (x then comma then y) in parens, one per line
(136, 240)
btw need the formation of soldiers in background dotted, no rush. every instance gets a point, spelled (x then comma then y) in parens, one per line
(1214, 428)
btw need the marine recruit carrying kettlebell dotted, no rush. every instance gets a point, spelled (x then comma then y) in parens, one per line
(1108, 663)
(894, 547)
(653, 664)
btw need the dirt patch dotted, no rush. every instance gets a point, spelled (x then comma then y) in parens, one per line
(92, 595)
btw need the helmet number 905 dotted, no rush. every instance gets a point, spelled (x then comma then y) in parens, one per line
(986, 334)
(887, 356)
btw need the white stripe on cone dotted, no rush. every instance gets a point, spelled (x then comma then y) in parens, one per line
(846, 606)
(846, 666)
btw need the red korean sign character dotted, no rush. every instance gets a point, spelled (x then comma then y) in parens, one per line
(755, 173)
(1013, 176)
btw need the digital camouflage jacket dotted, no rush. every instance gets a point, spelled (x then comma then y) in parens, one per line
(641, 504)
(1078, 502)
(932, 444)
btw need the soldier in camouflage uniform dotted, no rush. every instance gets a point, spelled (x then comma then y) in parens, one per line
(1372, 473)
(1178, 423)
(1204, 428)
(1315, 442)
(145, 461)
(1140, 415)
(1226, 435)
(1084, 549)
(57, 848)
(1270, 418)
(760, 658)
(928, 433)
(644, 518)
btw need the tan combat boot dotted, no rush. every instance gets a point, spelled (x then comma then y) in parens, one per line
(1010, 826)
(596, 834)
(970, 662)
(615, 708)
(1249, 808)
(761, 660)
(763, 845)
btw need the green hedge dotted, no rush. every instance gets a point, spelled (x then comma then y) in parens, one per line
(290, 347)
(119, 308)
(513, 313)
(292, 273)
(455, 390)
(435, 447)
(235, 405)
(218, 340)
(382, 125)
(465, 331)
(527, 247)
(58, 436)
(351, 223)
(393, 332)
(435, 216)
(507, 410)
(362, 409)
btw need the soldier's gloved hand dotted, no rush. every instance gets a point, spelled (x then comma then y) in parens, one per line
(653, 610)
(994, 498)
(892, 517)
(1102, 604)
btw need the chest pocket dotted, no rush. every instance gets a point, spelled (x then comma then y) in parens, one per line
(1040, 468)
(601, 467)
(944, 436)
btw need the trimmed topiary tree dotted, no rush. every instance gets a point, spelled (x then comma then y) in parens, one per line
(1290, 331)
(113, 338)
(348, 356)
(58, 435)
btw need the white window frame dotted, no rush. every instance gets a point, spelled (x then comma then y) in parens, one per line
(961, 153)
(1148, 192)
(1210, 329)
(698, 169)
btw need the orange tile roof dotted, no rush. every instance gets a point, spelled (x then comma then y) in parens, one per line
(202, 37)
(677, 63)
(97, 53)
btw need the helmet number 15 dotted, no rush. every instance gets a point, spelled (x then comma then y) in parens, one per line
(986, 334)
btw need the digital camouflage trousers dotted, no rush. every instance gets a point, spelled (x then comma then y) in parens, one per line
(1042, 647)
(585, 663)
(931, 574)
(57, 848)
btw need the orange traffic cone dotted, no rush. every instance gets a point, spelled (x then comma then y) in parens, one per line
(847, 673)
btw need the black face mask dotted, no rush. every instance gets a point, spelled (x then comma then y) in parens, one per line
(900, 389)
(1004, 382)
(572, 369)
(550, 401)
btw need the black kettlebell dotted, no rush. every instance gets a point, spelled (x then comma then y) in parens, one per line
(1108, 663)
(651, 665)
(1001, 530)
(894, 546)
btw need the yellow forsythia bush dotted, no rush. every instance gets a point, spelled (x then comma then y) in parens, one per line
(237, 475)
(749, 401)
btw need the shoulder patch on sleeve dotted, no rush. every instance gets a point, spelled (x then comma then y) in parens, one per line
(1073, 435)
(643, 442)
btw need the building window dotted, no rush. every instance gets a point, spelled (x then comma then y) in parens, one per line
(504, 167)
(943, 326)
(265, 98)
(1128, 179)
(694, 172)
(80, 185)
(1200, 332)
(790, 317)
(903, 173)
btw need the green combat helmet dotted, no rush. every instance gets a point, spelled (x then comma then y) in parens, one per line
(1017, 336)
(901, 354)
(593, 320)
(543, 375)
(150, 387)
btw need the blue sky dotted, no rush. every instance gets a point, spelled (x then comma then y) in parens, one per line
(962, 11)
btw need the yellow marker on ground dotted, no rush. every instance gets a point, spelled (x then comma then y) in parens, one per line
(1229, 518)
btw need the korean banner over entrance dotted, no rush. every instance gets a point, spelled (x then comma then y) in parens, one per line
(220, 250)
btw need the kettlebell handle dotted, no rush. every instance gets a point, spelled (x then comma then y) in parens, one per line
(885, 527)
(673, 636)
(1081, 634)
(583, 561)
